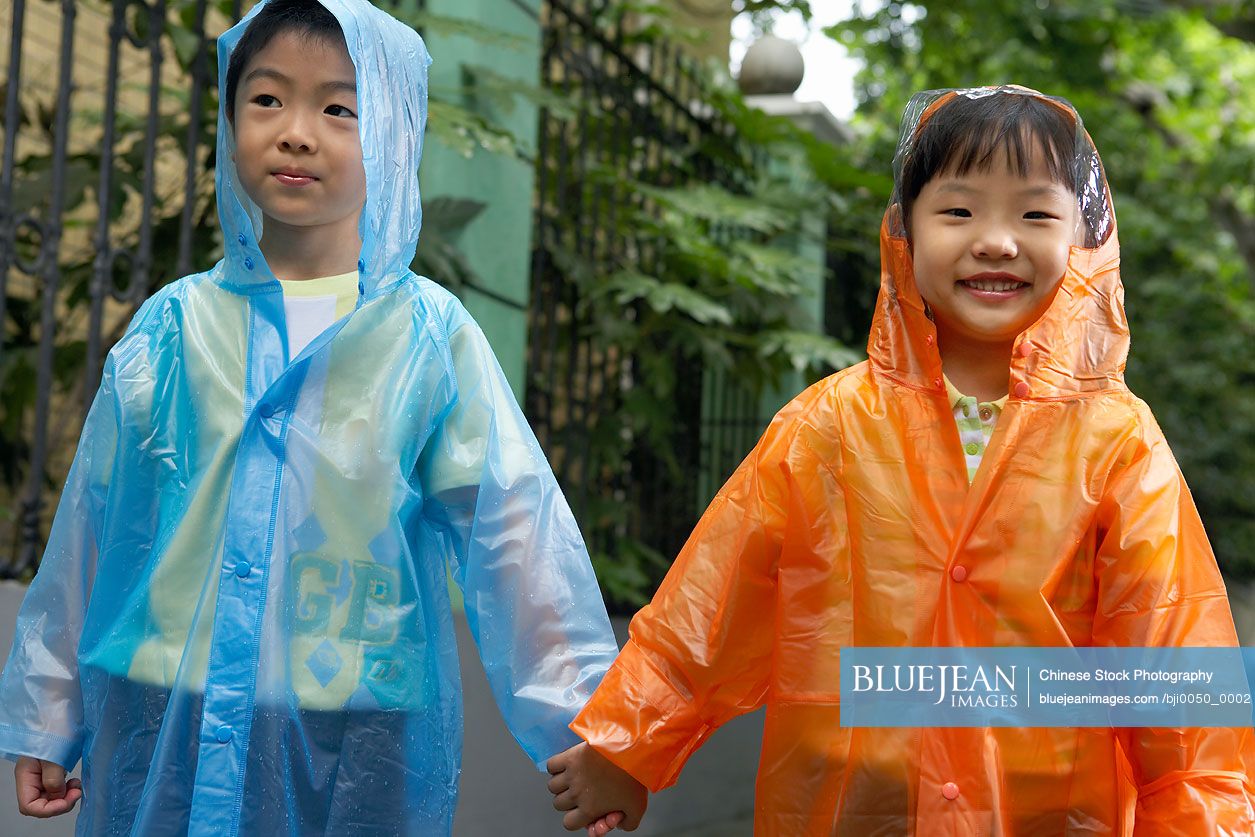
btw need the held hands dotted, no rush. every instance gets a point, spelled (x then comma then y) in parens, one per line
(42, 790)
(595, 793)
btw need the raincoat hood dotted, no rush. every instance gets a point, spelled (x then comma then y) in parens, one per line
(392, 114)
(1079, 344)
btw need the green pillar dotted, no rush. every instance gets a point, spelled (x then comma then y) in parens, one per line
(497, 244)
(809, 241)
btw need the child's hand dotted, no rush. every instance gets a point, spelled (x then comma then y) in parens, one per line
(591, 789)
(605, 825)
(42, 790)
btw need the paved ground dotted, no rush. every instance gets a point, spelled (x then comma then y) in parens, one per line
(743, 827)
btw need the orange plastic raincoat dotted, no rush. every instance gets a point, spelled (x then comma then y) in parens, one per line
(852, 523)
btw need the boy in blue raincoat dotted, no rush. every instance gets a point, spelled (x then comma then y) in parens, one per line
(241, 622)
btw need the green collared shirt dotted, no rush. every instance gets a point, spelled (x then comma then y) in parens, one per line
(976, 422)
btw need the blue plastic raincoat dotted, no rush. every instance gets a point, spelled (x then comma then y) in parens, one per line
(241, 621)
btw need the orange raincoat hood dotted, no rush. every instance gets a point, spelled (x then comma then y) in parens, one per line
(1079, 345)
(853, 523)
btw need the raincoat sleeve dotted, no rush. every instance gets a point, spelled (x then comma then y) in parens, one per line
(40, 697)
(701, 652)
(1158, 586)
(531, 598)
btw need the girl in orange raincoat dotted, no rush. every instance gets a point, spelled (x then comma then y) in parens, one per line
(985, 478)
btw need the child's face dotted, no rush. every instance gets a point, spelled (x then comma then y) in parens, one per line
(297, 147)
(990, 248)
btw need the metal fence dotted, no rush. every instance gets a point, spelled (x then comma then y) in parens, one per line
(637, 103)
(106, 181)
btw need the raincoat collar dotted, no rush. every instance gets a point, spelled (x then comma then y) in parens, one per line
(391, 62)
(1080, 344)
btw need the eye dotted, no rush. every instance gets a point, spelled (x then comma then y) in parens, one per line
(265, 100)
(957, 212)
(340, 110)
(1039, 216)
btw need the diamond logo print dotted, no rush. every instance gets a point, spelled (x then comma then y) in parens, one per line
(325, 663)
(309, 535)
(385, 547)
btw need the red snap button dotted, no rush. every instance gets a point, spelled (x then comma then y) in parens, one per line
(929, 339)
(1021, 390)
(937, 383)
(1026, 349)
(958, 572)
(950, 790)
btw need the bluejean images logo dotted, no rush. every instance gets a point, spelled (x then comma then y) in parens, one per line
(963, 686)
(1046, 687)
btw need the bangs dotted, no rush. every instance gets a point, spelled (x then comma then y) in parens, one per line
(1011, 143)
(976, 134)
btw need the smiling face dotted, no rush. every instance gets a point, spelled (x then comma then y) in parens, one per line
(296, 134)
(990, 247)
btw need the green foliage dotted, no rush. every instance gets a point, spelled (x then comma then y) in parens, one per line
(1167, 96)
(630, 575)
(663, 297)
(466, 132)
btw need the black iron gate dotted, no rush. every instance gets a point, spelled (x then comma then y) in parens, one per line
(106, 181)
(639, 103)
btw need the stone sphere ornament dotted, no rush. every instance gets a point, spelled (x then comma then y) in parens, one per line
(772, 67)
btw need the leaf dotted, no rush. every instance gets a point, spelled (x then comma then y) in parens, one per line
(186, 45)
(451, 215)
(707, 202)
(773, 269)
(448, 26)
(629, 286)
(465, 132)
(496, 90)
(805, 349)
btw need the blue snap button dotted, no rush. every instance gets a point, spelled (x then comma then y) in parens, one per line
(266, 410)
(224, 734)
(248, 264)
(240, 238)
(361, 265)
(243, 568)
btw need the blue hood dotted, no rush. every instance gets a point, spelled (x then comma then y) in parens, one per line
(392, 110)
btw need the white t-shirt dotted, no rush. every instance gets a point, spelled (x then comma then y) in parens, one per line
(310, 305)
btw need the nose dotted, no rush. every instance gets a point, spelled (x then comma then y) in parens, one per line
(995, 242)
(296, 135)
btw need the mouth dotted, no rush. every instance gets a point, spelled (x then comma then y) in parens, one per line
(293, 178)
(994, 285)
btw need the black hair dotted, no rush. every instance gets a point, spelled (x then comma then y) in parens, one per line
(307, 18)
(968, 133)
